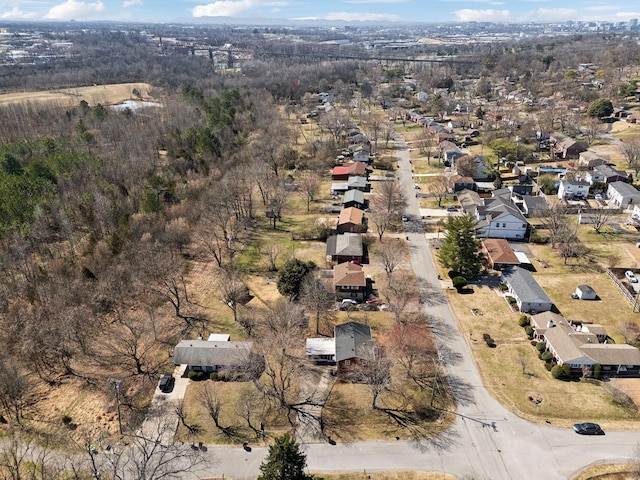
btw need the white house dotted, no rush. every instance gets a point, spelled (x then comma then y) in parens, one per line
(573, 189)
(622, 194)
(594, 176)
(529, 295)
(499, 218)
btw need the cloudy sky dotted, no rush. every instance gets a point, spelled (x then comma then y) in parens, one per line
(349, 10)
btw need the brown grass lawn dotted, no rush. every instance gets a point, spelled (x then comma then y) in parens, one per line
(106, 94)
(501, 367)
(610, 471)
(387, 476)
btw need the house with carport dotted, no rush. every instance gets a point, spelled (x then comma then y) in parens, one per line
(499, 253)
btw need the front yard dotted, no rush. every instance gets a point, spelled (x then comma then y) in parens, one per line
(513, 372)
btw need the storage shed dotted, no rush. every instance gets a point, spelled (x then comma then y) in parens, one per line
(585, 292)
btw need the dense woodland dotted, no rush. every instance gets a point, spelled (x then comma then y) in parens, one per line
(101, 212)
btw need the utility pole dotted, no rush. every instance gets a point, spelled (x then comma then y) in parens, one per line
(116, 386)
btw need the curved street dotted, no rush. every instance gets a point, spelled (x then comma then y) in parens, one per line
(487, 442)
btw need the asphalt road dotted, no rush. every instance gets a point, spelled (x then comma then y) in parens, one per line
(487, 442)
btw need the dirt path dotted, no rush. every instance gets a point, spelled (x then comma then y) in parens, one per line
(314, 392)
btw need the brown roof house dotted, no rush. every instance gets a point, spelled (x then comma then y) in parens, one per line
(562, 146)
(352, 219)
(354, 345)
(349, 281)
(499, 253)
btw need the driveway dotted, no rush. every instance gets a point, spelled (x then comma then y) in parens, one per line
(314, 391)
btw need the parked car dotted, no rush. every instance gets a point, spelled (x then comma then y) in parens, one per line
(588, 428)
(166, 383)
(598, 196)
(631, 276)
(452, 209)
(416, 186)
(348, 304)
(405, 218)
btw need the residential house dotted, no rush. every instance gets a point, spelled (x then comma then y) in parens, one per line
(499, 218)
(354, 345)
(351, 219)
(214, 356)
(358, 183)
(573, 189)
(499, 253)
(611, 175)
(449, 152)
(321, 350)
(350, 282)
(339, 188)
(354, 198)
(459, 183)
(469, 200)
(590, 159)
(345, 248)
(351, 169)
(622, 194)
(593, 176)
(362, 153)
(529, 295)
(562, 146)
(581, 345)
(534, 206)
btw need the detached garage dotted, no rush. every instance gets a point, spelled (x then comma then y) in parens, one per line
(584, 292)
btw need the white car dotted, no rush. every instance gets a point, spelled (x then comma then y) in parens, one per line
(416, 186)
(631, 276)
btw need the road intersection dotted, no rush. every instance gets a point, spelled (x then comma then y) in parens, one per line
(486, 442)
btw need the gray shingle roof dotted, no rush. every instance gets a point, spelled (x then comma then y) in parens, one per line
(204, 353)
(353, 196)
(347, 244)
(525, 286)
(351, 339)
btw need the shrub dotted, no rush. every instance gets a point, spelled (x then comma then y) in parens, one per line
(524, 321)
(529, 331)
(534, 342)
(213, 376)
(566, 369)
(546, 356)
(66, 419)
(548, 366)
(195, 375)
(597, 370)
(488, 340)
(541, 347)
(556, 371)
(459, 283)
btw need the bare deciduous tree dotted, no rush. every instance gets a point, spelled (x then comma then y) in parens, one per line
(390, 254)
(386, 204)
(309, 186)
(232, 289)
(439, 188)
(631, 151)
(374, 371)
(318, 299)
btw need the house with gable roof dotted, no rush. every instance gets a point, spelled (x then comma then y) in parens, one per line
(498, 217)
(529, 295)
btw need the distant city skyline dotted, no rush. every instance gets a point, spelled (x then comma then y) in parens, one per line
(381, 11)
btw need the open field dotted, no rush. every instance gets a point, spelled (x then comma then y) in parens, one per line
(67, 97)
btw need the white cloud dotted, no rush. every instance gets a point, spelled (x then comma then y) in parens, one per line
(355, 17)
(551, 15)
(230, 8)
(132, 3)
(71, 9)
(16, 13)
(489, 15)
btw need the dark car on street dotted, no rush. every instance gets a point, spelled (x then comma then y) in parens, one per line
(588, 428)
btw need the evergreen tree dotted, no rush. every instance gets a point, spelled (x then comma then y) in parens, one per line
(290, 277)
(285, 461)
(602, 107)
(460, 250)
